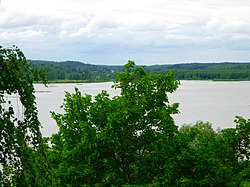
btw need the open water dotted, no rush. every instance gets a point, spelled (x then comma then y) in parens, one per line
(216, 102)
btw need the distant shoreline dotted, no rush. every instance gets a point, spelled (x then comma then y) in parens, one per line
(83, 81)
(78, 72)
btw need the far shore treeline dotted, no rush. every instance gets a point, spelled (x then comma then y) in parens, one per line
(74, 71)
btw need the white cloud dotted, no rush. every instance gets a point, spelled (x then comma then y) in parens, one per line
(28, 35)
(240, 36)
(135, 27)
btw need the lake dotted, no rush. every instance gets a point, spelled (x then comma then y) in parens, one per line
(216, 102)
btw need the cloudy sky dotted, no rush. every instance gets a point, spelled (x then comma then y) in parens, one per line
(113, 31)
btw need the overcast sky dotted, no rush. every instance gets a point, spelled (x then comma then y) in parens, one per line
(114, 31)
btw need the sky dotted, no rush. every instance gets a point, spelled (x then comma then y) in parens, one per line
(114, 31)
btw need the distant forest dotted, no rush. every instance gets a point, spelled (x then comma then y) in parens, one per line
(70, 71)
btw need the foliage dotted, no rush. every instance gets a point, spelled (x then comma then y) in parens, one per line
(208, 158)
(21, 145)
(201, 159)
(118, 141)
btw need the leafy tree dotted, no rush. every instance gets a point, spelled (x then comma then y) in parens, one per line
(205, 157)
(118, 141)
(21, 147)
(242, 150)
(198, 160)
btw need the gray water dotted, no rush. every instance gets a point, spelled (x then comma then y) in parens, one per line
(216, 102)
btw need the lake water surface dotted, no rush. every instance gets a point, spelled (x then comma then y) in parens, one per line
(216, 102)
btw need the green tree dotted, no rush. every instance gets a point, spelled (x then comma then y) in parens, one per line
(198, 161)
(21, 147)
(241, 143)
(204, 157)
(118, 141)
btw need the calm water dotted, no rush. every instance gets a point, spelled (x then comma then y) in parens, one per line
(216, 102)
